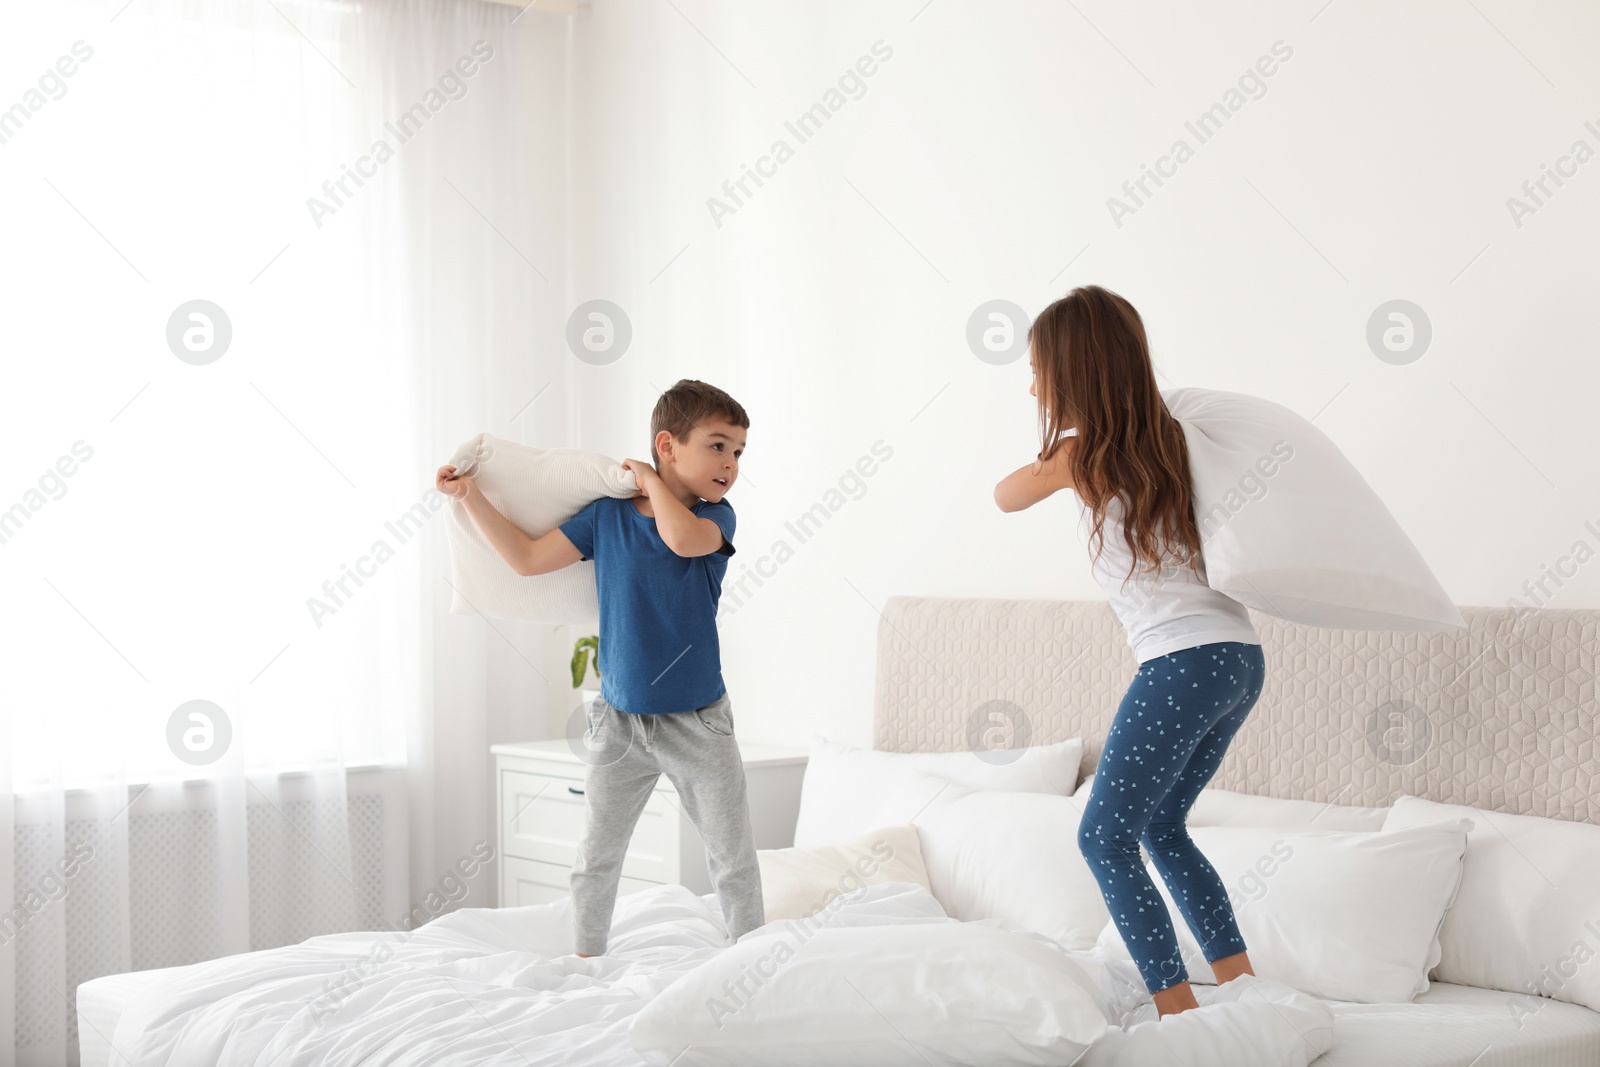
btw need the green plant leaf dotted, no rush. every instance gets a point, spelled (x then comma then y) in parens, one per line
(580, 659)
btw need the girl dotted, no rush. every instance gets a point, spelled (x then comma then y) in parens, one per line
(1108, 436)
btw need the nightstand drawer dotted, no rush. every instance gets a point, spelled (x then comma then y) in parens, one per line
(543, 819)
(540, 814)
(526, 882)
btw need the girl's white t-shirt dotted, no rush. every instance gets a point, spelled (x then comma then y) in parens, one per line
(1165, 613)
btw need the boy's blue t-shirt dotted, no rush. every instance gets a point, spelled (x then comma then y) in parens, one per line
(658, 610)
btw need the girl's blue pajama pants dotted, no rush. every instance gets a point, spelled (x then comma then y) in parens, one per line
(1168, 736)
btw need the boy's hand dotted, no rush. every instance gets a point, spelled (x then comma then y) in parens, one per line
(526, 555)
(451, 484)
(642, 471)
(683, 531)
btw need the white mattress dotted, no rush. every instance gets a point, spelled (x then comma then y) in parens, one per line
(100, 1005)
(1458, 1025)
(1448, 1026)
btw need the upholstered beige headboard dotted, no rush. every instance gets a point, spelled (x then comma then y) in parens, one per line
(1501, 715)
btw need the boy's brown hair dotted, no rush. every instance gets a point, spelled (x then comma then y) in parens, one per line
(686, 405)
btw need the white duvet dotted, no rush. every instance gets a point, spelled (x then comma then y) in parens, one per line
(501, 986)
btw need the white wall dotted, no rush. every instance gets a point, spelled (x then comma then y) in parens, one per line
(977, 165)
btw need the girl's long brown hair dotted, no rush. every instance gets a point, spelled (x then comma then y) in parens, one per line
(1092, 370)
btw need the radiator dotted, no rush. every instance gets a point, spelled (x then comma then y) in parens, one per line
(172, 869)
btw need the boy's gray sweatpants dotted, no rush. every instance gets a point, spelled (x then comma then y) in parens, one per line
(697, 752)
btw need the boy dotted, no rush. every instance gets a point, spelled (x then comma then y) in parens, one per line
(659, 562)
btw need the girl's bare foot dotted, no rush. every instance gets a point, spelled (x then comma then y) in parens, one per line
(1175, 998)
(1230, 967)
(582, 955)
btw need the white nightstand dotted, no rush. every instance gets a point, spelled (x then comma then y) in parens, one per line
(539, 793)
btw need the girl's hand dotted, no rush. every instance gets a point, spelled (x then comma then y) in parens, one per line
(451, 484)
(643, 471)
(1026, 486)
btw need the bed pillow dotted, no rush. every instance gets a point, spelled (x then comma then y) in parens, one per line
(1289, 526)
(537, 489)
(1344, 916)
(1223, 807)
(1525, 920)
(909, 994)
(798, 882)
(1009, 856)
(847, 791)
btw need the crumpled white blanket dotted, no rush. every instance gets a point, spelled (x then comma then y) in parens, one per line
(502, 987)
(1248, 1020)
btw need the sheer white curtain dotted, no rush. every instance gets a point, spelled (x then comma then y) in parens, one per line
(264, 265)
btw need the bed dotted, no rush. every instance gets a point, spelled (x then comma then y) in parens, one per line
(1499, 716)
(1511, 715)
